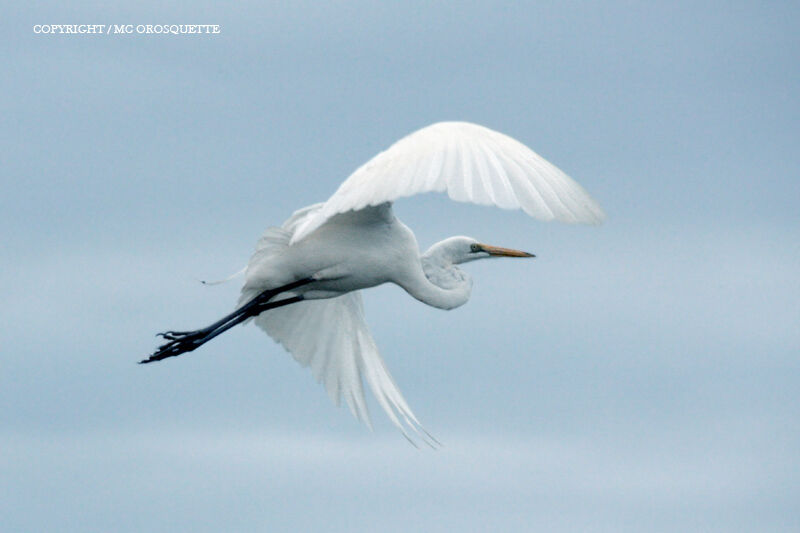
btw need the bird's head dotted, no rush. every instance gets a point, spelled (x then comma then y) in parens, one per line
(457, 250)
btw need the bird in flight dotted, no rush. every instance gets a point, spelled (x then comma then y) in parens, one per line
(302, 284)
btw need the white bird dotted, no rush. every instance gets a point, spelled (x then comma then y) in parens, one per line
(302, 283)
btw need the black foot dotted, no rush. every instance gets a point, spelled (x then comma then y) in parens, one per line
(179, 343)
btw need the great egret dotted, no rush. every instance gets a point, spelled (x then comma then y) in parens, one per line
(325, 253)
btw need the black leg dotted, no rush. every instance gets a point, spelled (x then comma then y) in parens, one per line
(180, 342)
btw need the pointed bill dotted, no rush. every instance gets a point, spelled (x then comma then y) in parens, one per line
(503, 252)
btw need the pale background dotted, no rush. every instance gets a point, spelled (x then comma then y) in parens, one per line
(639, 376)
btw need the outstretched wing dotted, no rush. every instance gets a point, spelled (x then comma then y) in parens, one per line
(332, 338)
(472, 164)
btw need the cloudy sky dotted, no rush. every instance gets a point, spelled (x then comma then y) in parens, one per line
(638, 376)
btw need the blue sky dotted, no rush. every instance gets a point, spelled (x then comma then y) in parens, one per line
(641, 375)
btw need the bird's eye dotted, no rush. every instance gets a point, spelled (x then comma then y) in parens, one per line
(474, 248)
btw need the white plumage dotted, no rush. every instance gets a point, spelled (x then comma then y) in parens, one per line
(302, 282)
(330, 336)
(472, 164)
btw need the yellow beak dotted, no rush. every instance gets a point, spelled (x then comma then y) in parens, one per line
(503, 252)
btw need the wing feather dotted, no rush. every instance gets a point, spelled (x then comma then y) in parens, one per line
(331, 337)
(472, 164)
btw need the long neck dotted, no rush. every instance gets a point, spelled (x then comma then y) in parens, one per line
(449, 296)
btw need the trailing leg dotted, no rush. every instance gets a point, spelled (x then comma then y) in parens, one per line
(180, 342)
